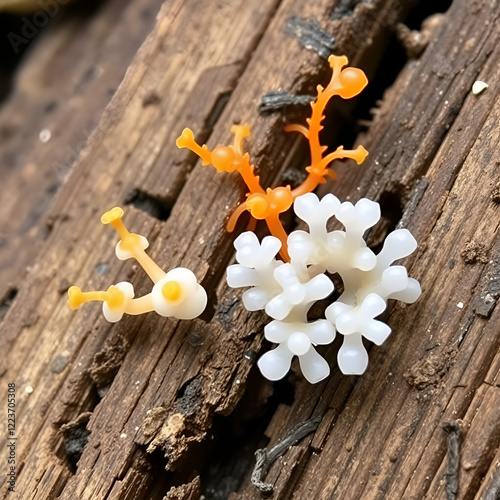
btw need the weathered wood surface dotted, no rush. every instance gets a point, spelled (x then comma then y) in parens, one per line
(67, 78)
(176, 409)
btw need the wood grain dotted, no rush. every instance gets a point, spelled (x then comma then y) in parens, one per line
(168, 409)
(61, 89)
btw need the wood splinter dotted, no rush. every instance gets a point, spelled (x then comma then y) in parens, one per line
(452, 429)
(264, 458)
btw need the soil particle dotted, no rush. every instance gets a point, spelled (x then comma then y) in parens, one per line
(474, 252)
(154, 421)
(429, 371)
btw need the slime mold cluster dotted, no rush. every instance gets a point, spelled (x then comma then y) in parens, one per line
(175, 293)
(286, 288)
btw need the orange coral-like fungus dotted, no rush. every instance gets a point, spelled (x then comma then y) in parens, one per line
(270, 203)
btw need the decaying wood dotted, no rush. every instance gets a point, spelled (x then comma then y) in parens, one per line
(156, 408)
(60, 92)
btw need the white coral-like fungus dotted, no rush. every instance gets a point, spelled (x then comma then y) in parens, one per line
(294, 293)
(297, 339)
(287, 291)
(315, 212)
(358, 321)
(337, 250)
(256, 267)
